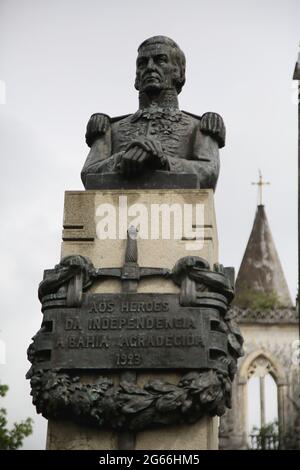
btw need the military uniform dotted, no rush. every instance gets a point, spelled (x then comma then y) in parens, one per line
(190, 143)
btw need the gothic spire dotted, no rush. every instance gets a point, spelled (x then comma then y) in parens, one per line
(261, 282)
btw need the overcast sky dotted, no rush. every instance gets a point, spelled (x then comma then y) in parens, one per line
(62, 60)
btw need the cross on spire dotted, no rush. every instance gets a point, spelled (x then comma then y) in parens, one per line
(260, 183)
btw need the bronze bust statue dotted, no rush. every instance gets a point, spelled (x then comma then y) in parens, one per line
(158, 140)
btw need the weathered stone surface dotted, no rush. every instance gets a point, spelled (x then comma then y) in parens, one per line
(271, 345)
(113, 254)
(266, 316)
(261, 273)
(190, 332)
(201, 435)
(159, 253)
(274, 343)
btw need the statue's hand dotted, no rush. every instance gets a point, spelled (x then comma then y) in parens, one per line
(96, 127)
(141, 153)
(213, 125)
(133, 161)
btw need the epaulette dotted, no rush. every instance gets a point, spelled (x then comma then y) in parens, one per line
(193, 115)
(118, 118)
(212, 124)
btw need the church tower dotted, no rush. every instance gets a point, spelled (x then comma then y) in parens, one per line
(261, 281)
(265, 401)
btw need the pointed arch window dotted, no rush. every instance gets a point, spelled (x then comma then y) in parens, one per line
(262, 406)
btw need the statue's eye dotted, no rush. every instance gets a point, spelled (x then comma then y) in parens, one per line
(141, 62)
(162, 58)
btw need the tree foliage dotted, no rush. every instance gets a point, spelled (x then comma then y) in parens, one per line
(266, 437)
(12, 439)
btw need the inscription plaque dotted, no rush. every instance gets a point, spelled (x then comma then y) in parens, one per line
(138, 331)
(189, 332)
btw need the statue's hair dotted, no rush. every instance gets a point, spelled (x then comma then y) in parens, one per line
(177, 55)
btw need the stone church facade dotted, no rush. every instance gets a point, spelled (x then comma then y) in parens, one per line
(270, 326)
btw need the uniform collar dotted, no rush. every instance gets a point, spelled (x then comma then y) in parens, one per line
(153, 112)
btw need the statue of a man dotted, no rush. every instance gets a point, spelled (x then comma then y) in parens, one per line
(158, 136)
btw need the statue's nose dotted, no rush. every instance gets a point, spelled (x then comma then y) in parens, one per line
(150, 64)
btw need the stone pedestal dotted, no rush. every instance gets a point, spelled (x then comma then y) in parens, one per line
(82, 213)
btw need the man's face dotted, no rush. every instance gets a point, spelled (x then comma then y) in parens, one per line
(155, 69)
